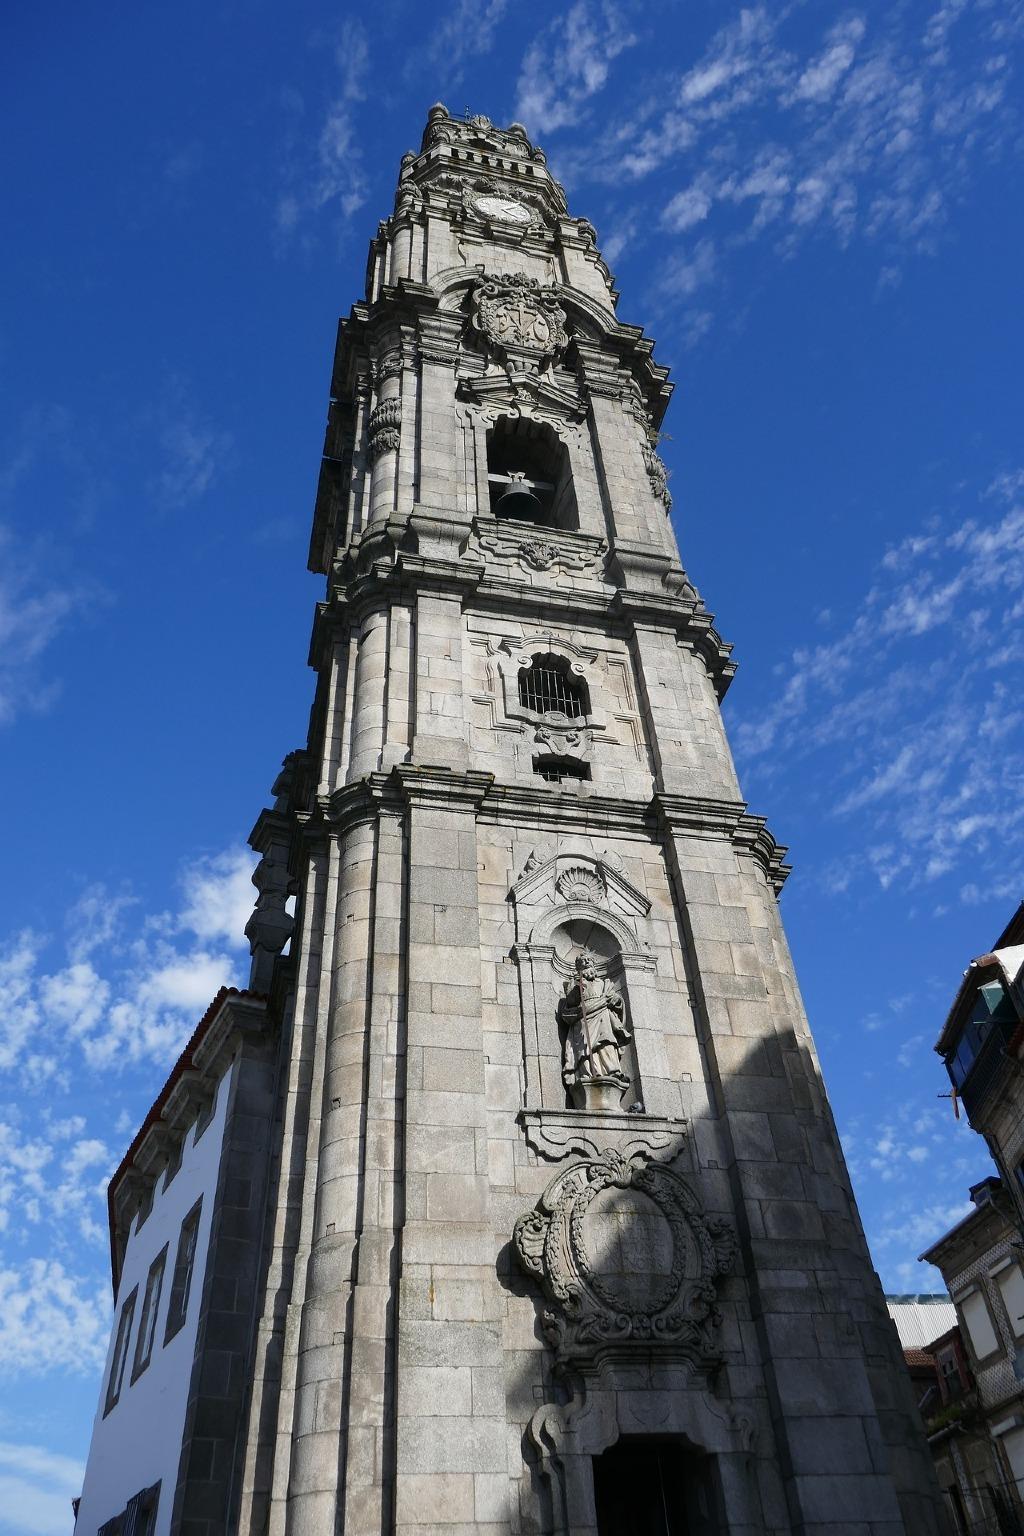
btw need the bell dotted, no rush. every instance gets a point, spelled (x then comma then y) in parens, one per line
(519, 502)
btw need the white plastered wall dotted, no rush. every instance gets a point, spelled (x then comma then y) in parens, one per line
(138, 1443)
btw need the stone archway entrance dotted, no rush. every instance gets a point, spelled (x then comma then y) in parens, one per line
(656, 1486)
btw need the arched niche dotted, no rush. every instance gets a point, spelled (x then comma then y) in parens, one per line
(569, 900)
(586, 952)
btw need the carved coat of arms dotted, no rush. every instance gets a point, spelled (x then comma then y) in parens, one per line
(515, 314)
(627, 1260)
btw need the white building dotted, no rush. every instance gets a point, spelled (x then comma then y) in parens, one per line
(178, 1204)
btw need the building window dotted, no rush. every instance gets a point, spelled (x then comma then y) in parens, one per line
(138, 1519)
(181, 1284)
(140, 1516)
(992, 1007)
(550, 687)
(117, 1364)
(173, 1163)
(150, 1307)
(950, 1374)
(205, 1114)
(1011, 1288)
(978, 1324)
(555, 770)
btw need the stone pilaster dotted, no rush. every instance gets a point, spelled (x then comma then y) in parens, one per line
(451, 1428)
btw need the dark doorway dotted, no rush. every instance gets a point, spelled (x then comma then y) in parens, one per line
(655, 1487)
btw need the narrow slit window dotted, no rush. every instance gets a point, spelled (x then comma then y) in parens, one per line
(181, 1283)
(117, 1364)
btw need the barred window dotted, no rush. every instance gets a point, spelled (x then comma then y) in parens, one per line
(548, 687)
(555, 770)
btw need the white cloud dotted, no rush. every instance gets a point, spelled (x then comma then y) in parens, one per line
(76, 996)
(568, 62)
(51, 1321)
(688, 270)
(19, 1018)
(54, 1171)
(329, 173)
(821, 76)
(36, 1489)
(32, 614)
(910, 713)
(219, 896)
(134, 986)
(689, 207)
(872, 131)
(467, 30)
(191, 450)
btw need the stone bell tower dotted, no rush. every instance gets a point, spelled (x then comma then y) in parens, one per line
(560, 1237)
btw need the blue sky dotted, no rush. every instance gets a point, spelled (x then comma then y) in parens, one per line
(816, 213)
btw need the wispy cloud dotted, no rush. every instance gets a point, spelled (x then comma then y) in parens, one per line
(871, 129)
(465, 31)
(33, 612)
(569, 62)
(36, 1489)
(327, 169)
(191, 450)
(132, 984)
(911, 713)
(50, 1320)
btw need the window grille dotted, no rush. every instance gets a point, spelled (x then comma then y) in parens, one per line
(549, 688)
(555, 769)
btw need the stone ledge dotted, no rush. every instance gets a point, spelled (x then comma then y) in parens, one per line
(555, 1133)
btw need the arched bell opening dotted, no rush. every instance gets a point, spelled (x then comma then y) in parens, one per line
(598, 1055)
(657, 1485)
(528, 474)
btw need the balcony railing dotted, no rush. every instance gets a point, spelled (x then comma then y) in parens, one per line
(989, 1065)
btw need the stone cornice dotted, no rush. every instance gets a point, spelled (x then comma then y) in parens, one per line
(442, 786)
(694, 816)
(493, 592)
(541, 804)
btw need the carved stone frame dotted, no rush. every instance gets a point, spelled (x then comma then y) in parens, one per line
(540, 909)
(666, 1401)
(552, 732)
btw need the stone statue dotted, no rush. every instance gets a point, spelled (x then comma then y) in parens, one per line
(591, 1017)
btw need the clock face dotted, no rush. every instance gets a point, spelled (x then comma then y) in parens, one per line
(502, 208)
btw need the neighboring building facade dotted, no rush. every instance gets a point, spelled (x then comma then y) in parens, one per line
(976, 1428)
(558, 1236)
(982, 1045)
(186, 1218)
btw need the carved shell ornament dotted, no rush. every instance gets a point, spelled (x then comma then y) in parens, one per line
(626, 1259)
(578, 883)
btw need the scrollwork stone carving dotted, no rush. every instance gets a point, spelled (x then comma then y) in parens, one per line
(519, 317)
(385, 428)
(626, 1259)
(658, 475)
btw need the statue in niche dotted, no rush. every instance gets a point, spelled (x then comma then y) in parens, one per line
(592, 1022)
